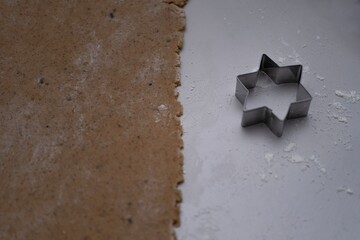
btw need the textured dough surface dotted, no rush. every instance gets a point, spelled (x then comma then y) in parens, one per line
(89, 132)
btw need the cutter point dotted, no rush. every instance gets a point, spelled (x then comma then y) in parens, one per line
(279, 75)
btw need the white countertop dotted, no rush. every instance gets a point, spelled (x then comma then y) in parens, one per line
(246, 183)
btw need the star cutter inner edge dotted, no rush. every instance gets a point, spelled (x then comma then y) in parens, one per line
(279, 75)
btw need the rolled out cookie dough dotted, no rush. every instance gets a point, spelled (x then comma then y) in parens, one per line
(89, 132)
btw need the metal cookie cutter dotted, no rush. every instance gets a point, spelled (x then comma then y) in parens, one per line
(279, 75)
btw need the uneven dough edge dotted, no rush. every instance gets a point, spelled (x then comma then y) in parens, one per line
(176, 218)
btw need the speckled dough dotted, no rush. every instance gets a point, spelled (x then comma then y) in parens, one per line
(89, 132)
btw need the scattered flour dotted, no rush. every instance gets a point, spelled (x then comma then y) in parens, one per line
(157, 118)
(254, 69)
(349, 96)
(282, 59)
(290, 147)
(296, 54)
(296, 159)
(340, 118)
(263, 178)
(341, 110)
(319, 77)
(269, 157)
(348, 148)
(162, 108)
(306, 69)
(320, 95)
(318, 165)
(162, 112)
(349, 191)
(304, 167)
(283, 42)
(338, 106)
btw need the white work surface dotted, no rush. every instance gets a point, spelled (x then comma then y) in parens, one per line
(246, 183)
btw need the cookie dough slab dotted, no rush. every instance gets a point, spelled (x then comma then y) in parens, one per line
(89, 132)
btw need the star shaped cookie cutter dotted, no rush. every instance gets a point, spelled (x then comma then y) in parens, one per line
(279, 75)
